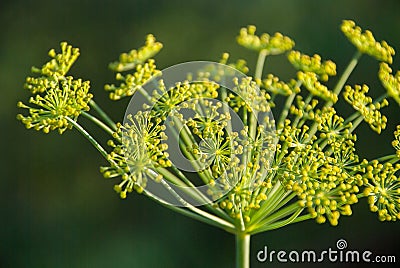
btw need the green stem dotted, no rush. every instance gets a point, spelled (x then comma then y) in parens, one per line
(98, 122)
(386, 158)
(194, 215)
(346, 74)
(290, 209)
(260, 64)
(103, 115)
(88, 137)
(286, 108)
(192, 191)
(356, 123)
(275, 195)
(339, 86)
(242, 250)
(288, 103)
(280, 224)
(258, 74)
(211, 219)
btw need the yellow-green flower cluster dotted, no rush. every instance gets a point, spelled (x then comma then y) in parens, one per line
(321, 181)
(365, 42)
(61, 63)
(139, 153)
(272, 45)
(54, 69)
(218, 153)
(383, 190)
(128, 61)
(209, 124)
(248, 95)
(130, 83)
(313, 64)
(310, 81)
(167, 99)
(277, 87)
(396, 141)
(390, 82)
(139, 60)
(364, 105)
(240, 203)
(303, 110)
(56, 98)
(331, 125)
(69, 99)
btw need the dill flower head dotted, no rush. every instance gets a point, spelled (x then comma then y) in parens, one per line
(390, 82)
(310, 81)
(312, 64)
(53, 70)
(138, 154)
(364, 105)
(128, 61)
(383, 190)
(272, 84)
(365, 42)
(272, 45)
(50, 110)
(130, 83)
(320, 176)
(143, 64)
(319, 164)
(330, 124)
(247, 94)
(57, 98)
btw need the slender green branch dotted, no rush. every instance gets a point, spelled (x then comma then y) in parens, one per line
(242, 250)
(103, 115)
(192, 191)
(144, 93)
(260, 64)
(273, 195)
(187, 184)
(288, 197)
(339, 86)
(88, 137)
(346, 74)
(356, 123)
(302, 218)
(287, 105)
(387, 157)
(191, 214)
(99, 123)
(276, 225)
(258, 74)
(278, 215)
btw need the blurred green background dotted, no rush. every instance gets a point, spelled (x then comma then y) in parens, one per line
(57, 210)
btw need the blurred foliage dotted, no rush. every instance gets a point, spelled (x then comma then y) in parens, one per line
(57, 210)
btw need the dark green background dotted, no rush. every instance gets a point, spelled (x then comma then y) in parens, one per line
(57, 210)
